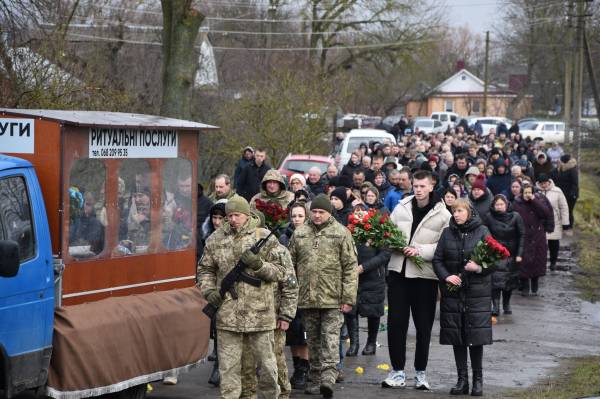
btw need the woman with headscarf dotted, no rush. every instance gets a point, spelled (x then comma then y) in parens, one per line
(465, 314)
(507, 228)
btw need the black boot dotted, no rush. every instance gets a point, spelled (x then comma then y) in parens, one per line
(552, 266)
(462, 384)
(495, 309)
(215, 375)
(371, 346)
(352, 324)
(298, 380)
(506, 302)
(477, 383)
(369, 349)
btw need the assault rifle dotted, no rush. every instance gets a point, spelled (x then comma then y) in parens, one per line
(238, 274)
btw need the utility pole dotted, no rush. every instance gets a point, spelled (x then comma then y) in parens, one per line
(578, 92)
(486, 72)
(567, 95)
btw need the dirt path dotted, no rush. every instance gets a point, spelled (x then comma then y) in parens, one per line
(528, 347)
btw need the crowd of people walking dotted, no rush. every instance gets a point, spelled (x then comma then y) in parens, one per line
(445, 193)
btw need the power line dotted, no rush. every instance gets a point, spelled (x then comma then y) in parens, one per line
(280, 49)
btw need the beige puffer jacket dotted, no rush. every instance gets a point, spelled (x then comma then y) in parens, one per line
(559, 207)
(425, 238)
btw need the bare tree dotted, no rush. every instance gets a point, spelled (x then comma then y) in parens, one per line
(181, 23)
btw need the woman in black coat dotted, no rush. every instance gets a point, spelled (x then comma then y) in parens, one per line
(536, 213)
(342, 205)
(465, 314)
(372, 264)
(506, 226)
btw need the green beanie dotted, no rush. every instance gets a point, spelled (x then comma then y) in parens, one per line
(237, 204)
(321, 201)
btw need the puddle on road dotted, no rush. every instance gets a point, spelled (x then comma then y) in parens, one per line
(592, 310)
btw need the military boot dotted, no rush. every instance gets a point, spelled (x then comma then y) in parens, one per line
(313, 390)
(326, 389)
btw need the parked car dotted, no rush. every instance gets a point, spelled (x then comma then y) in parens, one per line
(549, 131)
(301, 163)
(428, 125)
(488, 122)
(448, 119)
(356, 136)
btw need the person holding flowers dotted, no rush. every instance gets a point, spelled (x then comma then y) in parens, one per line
(272, 189)
(466, 287)
(413, 287)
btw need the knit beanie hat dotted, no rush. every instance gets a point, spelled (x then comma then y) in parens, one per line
(298, 177)
(237, 204)
(565, 158)
(341, 193)
(479, 182)
(321, 202)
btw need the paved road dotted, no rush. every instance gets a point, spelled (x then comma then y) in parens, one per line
(528, 347)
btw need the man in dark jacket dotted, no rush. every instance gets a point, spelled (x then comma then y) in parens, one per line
(566, 178)
(245, 160)
(251, 176)
(460, 167)
(499, 182)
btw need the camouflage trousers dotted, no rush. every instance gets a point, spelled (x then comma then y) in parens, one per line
(323, 337)
(233, 347)
(249, 371)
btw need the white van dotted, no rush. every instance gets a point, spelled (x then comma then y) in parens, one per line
(448, 119)
(356, 136)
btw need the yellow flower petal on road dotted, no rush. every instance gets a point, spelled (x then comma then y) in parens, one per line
(149, 388)
(359, 370)
(383, 366)
(385, 308)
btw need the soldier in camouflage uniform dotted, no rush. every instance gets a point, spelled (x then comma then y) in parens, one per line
(245, 324)
(286, 301)
(324, 254)
(273, 189)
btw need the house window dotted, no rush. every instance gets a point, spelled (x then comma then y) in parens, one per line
(449, 106)
(476, 106)
(463, 77)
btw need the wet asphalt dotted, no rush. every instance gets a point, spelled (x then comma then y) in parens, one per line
(528, 348)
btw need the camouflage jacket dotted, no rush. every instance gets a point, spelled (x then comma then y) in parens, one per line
(254, 310)
(325, 260)
(282, 197)
(286, 291)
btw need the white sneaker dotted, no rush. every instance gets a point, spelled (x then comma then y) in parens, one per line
(395, 379)
(421, 381)
(170, 380)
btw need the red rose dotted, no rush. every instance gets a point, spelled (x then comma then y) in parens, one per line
(365, 219)
(351, 218)
(368, 226)
(383, 219)
(387, 234)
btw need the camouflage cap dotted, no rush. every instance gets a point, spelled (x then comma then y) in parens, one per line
(237, 204)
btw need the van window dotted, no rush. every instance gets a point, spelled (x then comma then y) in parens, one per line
(548, 127)
(16, 223)
(135, 205)
(87, 208)
(435, 116)
(354, 142)
(453, 118)
(560, 127)
(176, 214)
(444, 117)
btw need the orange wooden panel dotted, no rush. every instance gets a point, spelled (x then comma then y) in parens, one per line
(46, 160)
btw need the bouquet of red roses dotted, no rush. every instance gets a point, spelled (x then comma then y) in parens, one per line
(375, 229)
(275, 214)
(487, 252)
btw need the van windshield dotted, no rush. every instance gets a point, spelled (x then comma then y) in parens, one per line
(354, 142)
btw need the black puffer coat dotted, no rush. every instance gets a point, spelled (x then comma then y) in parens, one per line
(508, 229)
(465, 315)
(371, 282)
(482, 204)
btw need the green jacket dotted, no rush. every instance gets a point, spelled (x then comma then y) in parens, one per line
(254, 310)
(282, 197)
(325, 260)
(286, 291)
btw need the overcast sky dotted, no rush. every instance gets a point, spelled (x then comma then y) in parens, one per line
(478, 15)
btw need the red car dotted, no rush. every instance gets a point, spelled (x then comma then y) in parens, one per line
(301, 163)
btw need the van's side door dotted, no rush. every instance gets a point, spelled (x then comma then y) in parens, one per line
(27, 299)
